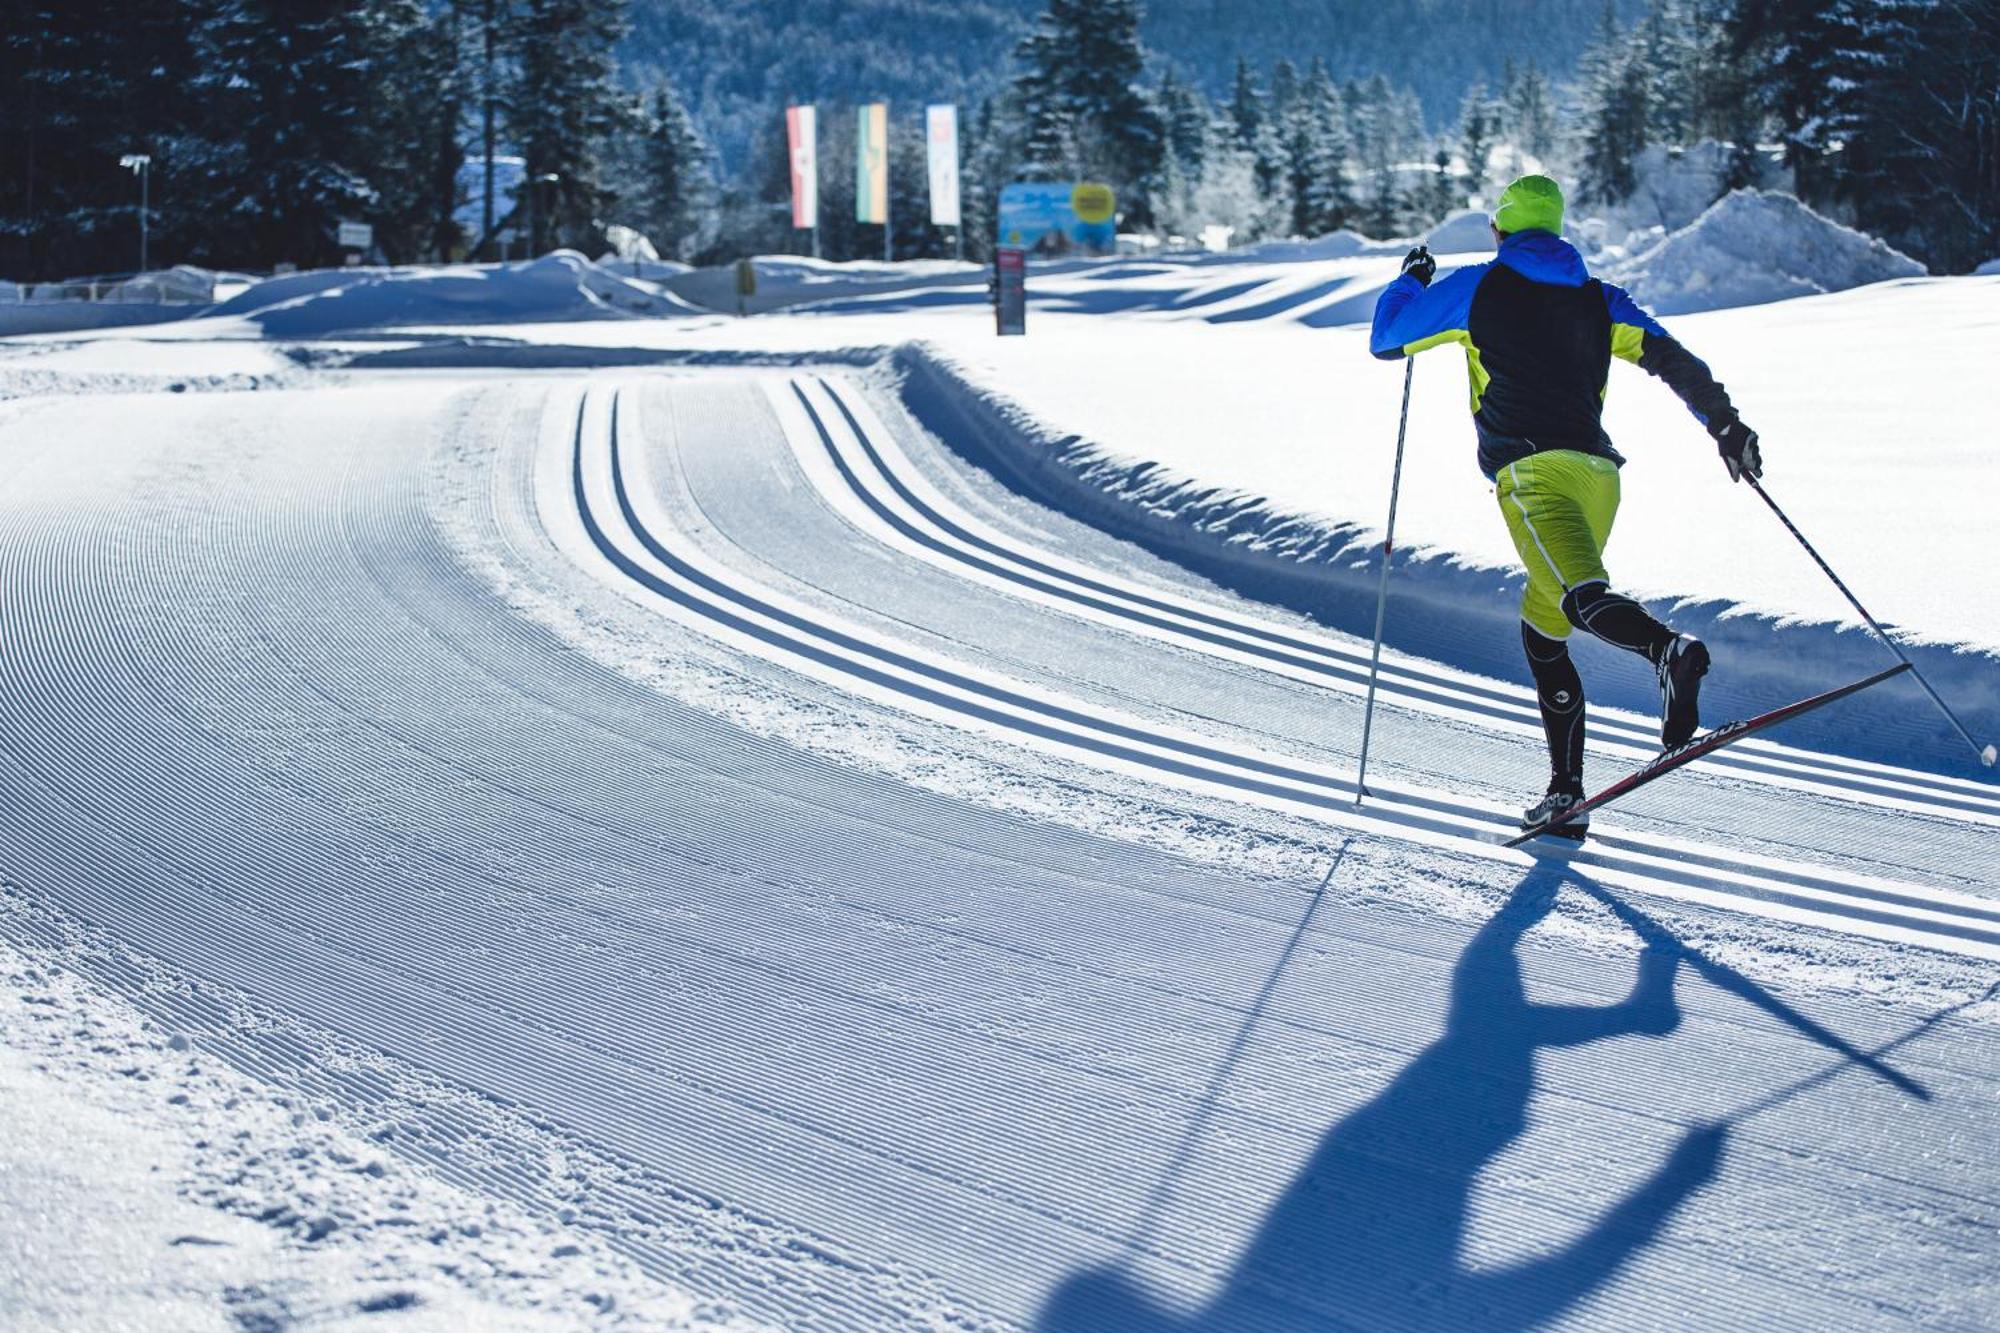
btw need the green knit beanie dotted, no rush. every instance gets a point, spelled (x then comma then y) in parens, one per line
(1532, 203)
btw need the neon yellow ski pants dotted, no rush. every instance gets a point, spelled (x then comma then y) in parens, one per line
(1559, 508)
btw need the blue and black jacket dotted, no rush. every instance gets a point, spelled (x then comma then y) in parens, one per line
(1539, 334)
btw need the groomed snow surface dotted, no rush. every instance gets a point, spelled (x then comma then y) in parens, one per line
(526, 802)
(150, 1184)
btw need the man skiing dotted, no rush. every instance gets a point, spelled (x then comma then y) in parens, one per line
(1539, 334)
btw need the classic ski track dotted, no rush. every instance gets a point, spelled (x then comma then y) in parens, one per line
(766, 621)
(908, 513)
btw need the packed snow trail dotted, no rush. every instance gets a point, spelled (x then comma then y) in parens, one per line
(858, 1054)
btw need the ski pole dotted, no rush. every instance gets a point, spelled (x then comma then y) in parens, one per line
(1382, 588)
(1987, 754)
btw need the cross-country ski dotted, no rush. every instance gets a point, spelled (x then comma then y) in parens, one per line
(1565, 819)
(726, 667)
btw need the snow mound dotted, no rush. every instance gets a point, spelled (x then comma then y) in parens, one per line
(1672, 188)
(182, 282)
(791, 280)
(1754, 246)
(1989, 269)
(557, 287)
(1342, 244)
(647, 270)
(1464, 233)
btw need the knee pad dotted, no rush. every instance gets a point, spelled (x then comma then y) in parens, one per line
(1616, 619)
(1577, 602)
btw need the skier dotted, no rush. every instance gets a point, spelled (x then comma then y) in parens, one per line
(1539, 334)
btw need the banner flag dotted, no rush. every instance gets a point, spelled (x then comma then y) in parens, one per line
(941, 140)
(871, 163)
(802, 132)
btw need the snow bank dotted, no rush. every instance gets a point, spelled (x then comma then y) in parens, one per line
(1672, 189)
(644, 269)
(1991, 268)
(558, 286)
(182, 282)
(790, 280)
(1466, 233)
(1755, 246)
(1342, 244)
(26, 318)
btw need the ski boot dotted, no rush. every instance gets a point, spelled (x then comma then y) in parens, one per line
(1551, 806)
(1681, 668)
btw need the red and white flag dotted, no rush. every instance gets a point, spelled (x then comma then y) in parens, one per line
(802, 134)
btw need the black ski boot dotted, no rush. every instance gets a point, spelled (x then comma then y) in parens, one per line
(1551, 806)
(1682, 666)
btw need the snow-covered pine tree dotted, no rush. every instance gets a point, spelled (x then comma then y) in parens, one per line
(909, 189)
(1479, 117)
(1616, 100)
(1799, 48)
(669, 187)
(1284, 87)
(81, 90)
(1919, 127)
(1660, 49)
(447, 82)
(1383, 212)
(1188, 122)
(562, 108)
(1530, 114)
(982, 155)
(1047, 143)
(1317, 143)
(290, 132)
(1379, 140)
(1119, 124)
(1246, 108)
(1440, 195)
(418, 85)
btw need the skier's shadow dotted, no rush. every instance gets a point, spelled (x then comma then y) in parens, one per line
(1369, 1232)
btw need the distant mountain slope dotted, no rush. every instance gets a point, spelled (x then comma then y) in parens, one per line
(735, 60)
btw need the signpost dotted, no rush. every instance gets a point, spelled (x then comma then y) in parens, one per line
(354, 238)
(1010, 290)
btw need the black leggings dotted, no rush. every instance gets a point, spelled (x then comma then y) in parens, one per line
(1612, 617)
(1559, 690)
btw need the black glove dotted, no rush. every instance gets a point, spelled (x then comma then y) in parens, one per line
(1737, 444)
(1418, 264)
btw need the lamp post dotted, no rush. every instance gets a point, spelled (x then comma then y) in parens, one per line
(140, 165)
